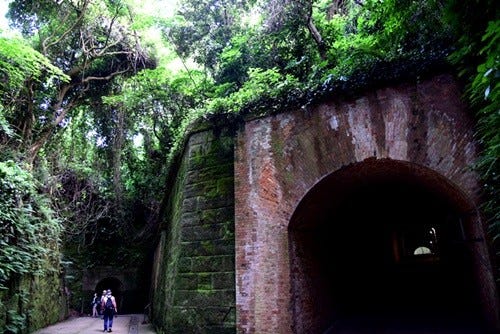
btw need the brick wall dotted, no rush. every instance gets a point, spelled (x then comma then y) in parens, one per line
(279, 159)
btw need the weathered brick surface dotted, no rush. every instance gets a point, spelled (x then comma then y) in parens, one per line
(193, 286)
(421, 127)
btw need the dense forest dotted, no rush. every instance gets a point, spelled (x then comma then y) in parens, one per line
(97, 95)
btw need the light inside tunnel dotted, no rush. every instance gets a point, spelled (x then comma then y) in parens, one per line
(381, 241)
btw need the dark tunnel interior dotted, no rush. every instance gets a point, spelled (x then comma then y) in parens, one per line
(115, 286)
(385, 250)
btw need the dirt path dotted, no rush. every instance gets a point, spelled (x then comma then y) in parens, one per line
(123, 324)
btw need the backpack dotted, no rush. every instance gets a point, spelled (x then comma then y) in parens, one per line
(109, 304)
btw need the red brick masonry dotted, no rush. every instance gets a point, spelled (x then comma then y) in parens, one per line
(279, 159)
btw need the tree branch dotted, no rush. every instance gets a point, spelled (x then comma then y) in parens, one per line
(316, 34)
(69, 30)
(106, 78)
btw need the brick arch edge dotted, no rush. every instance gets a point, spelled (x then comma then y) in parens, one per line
(278, 159)
(309, 302)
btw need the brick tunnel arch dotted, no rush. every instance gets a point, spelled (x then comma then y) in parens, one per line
(385, 244)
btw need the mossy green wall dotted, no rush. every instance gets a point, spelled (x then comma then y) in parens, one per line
(33, 301)
(193, 281)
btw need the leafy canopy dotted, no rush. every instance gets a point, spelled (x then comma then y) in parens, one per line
(98, 96)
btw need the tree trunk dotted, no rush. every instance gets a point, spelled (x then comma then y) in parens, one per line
(315, 33)
(317, 38)
(118, 140)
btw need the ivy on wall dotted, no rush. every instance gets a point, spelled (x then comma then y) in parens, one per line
(29, 245)
(477, 59)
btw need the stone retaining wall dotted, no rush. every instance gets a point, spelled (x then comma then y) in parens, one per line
(193, 283)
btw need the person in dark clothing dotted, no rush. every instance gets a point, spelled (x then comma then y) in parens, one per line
(95, 305)
(108, 307)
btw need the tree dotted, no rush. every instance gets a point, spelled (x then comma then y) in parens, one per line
(204, 28)
(90, 41)
(99, 121)
(295, 15)
(21, 67)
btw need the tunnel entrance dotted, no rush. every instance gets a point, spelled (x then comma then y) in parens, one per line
(116, 287)
(383, 246)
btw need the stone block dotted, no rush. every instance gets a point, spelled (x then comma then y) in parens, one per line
(200, 138)
(204, 298)
(186, 281)
(210, 173)
(209, 320)
(190, 204)
(207, 248)
(184, 265)
(224, 263)
(217, 201)
(207, 216)
(218, 316)
(204, 232)
(223, 280)
(221, 329)
(200, 188)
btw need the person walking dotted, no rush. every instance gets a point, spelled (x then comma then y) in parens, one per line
(100, 303)
(108, 305)
(95, 305)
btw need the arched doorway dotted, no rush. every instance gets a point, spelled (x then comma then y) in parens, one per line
(384, 245)
(116, 287)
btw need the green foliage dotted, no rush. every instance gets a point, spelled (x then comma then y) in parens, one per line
(235, 60)
(107, 122)
(477, 56)
(204, 28)
(91, 42)
(6, 131)
(16, 322)
(29, 233)
(360, 35)
(484, 94)
(261, 84)
(156, 103)
(29, 250)
(19, 62)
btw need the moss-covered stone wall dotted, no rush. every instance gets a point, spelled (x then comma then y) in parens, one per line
(193, 280)
(33, 301)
